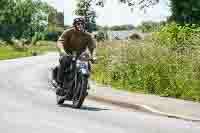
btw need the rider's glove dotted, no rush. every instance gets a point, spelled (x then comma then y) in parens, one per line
(94, 59)
(62, 53)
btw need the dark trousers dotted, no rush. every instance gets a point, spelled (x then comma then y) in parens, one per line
(65, 62)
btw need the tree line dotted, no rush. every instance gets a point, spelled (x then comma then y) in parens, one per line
(23, 18)
(27, 18)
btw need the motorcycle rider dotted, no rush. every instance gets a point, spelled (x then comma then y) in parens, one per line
(75, 39)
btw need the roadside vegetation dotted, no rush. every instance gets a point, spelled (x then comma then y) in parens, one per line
(30, 30)
(166, 64)
(8, 51)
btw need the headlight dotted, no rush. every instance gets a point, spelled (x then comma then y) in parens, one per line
(84, 71)
(81, 64)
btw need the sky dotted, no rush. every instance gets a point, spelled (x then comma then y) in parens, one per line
(117, 14)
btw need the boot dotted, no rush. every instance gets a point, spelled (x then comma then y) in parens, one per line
(60, 91)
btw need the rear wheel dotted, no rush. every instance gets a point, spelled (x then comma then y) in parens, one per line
(80, 92)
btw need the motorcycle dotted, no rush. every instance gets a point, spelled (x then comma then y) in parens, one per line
(75, 77)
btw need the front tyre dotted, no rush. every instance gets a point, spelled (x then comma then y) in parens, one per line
(81, 92)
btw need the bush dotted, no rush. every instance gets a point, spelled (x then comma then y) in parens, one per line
(2, 43)
(37, 36)
(138, 65)
(101, 36)
(20, 45)
(175, 36)
(150, 69)
(48, 36)
(52, 36)
(135, 36)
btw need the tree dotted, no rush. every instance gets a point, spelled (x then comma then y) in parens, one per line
(60, 19)
(22, 18)
(185, 11)
(132, 3)
(84, 8)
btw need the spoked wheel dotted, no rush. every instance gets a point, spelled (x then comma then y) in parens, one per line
(80, 92)
(59, 100)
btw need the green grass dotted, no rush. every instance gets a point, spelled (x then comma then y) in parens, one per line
(141, 66)
(10, 52)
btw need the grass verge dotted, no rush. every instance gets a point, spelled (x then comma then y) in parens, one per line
(15, 51)
(141, 66)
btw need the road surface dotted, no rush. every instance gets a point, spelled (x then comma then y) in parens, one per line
(28, 105)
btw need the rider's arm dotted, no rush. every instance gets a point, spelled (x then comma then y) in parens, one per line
(92, 47)
(60, 42)
(60, 47)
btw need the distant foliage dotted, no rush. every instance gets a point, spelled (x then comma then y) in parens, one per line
(121, 27)
(132, 3)
(101, 36)
(149, 26)
(167, 64)
(185, 11)
(22, 18)
(176, 36)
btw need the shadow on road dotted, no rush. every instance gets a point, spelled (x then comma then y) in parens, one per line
(85, 108)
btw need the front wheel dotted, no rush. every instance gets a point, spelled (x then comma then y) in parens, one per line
(80, 92)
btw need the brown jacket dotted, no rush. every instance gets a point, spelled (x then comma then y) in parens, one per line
(77, 41)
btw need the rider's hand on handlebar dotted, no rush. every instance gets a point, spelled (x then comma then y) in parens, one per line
(94, 59)
(62, 53)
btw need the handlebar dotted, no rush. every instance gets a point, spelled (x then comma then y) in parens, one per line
(81, 57)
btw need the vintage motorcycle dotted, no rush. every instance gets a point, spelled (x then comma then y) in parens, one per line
(76, 78)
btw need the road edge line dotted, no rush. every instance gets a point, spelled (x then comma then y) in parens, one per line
(143, 108)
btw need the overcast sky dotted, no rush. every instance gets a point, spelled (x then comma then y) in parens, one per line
(114, 13)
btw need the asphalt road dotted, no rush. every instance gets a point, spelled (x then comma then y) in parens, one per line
(27, 104)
